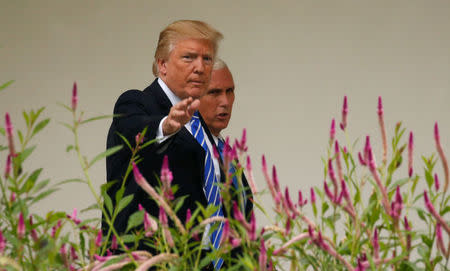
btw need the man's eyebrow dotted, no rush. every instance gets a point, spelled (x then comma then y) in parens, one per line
(214, 90)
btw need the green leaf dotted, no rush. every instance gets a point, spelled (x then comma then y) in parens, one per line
(70, 181)
(69, 148)
(135, 220)
(429, 178)
(7, 84)
(119, 194)
(24, 155)
(98, 118)
(41, 125)
(124, 140)
(2, 131)
(93, 206)
(108, 202)
(124, 202)
(64, 106)
(20, 136)
(444, 211)
(104, 154)
(26, 118)
(2, 148)
(68, 126)
(426, 240)
(40, 185)
(29, 184)
(44, 195)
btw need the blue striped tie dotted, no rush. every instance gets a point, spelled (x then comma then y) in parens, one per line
(210, 186)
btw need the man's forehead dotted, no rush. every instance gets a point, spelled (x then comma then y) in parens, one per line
(191, 44)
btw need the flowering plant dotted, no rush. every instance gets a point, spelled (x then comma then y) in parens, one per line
(359, 220)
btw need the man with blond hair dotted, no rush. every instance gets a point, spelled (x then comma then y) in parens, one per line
(183, 63)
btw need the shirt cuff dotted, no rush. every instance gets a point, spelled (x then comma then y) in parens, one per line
(160, 137)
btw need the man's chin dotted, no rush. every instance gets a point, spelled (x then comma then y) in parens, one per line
(196, 93)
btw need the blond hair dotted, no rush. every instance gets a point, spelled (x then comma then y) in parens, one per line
(183, 29)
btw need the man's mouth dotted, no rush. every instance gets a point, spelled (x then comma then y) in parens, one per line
(222, 115)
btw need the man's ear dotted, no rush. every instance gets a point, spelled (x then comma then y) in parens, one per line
(162, 67)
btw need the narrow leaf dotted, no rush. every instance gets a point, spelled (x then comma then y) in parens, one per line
(98, 118)
(41, 125)
(124, 202)
(104, 154)
(5, 85)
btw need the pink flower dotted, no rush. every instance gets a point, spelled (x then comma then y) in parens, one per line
(331, 173)
(332, 130)
(439, 239)
(114, 245)
(2, 243)
(376, 245)
(150, 225)
(345, 192)
(313, 196)
(361, 159)
(188, 215)
(380, 106)
(397, 205)
(73, 217)
(139, 139)
(238, 214)
(328, 191)
(343, 124)
(243, 144)
(98, 240)
(12, 198)
(289, 203)
(428, 203)
(275, 179)
(262, 256)
(163, 217)
(287, 229)
(252, 232)
(436, 182)
(137, 174)
(301, 202)
(264, 164)
(9, 134)
(166, 179)
(34, 234)
(74, 96)
(21, 227)
(225, 231)
(410, 154)
(442, 156)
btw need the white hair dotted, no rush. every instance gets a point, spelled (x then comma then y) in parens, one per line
(219, 64)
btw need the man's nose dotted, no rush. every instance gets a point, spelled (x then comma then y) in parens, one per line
(199, 65)
(224, 100)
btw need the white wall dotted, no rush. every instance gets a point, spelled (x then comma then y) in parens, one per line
(293, 61)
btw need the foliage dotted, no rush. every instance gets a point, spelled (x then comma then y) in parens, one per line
(359, 218)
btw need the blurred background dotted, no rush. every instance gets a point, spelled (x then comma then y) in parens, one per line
(292, 61)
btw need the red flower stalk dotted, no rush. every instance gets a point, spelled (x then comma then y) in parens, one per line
(397, 205)
(243, 143)
(2, 243)
(9, 134)
(262, 256)
(8, 166)
(287, 229)
(74, 96)
(165, 225)
(98, 240)
(410, 154)
(239, 216)
(225, 231)
(12, 198)
(441, 155)
(301, 202)
(331, 173)
(432, 211)
(289, 203)
(56, 227)
(343, 124)
(383, 128)
(440, 240)
(275, 179)
(188, 215)
(33, 233)
(373, 170)
(313, 196)
(338, 160)
(361, 160)
(73, 217)
(345, 192)
(269, 181)
(252, 231)
(21, 227)
(328, 191)
(114, 245)
(332, 130)
(436, 182)
(150, 225)
(166, 179)
(408, 235)
(250, 179)
(163, 217)
(376, 245)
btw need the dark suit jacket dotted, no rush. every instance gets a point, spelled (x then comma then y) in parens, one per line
(140, 109)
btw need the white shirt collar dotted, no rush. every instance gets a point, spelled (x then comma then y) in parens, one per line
(172, 97)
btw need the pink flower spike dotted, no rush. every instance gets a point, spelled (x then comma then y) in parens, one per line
(215, 152)
(407, 226)
(12, 197)
(275, 179)
(343, 124)
(313, 196)
(73, 253)
(249, 164)
(21, 227)
(2, 243)
(225, 231)
(139, 139)
(376, 245)
(345, 192)
(327, 191)
(332, 130)
(301, 202)
(8, 166)
(140, 208)
(380, 106)
(74, 96)
(262, 256)
(237, 213)
(252, 232)
(114, 245)
(137, 174)
(264, 164)
(98, 240)
(331, 173)
(243, 144)
(439, 239)
(62, 250)
(436, 182)
(361, 159)
(428, 203)
(289, 203)
(410, 154)
(188, 215)
(163, 217)
(8, 125)
(437, 137)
